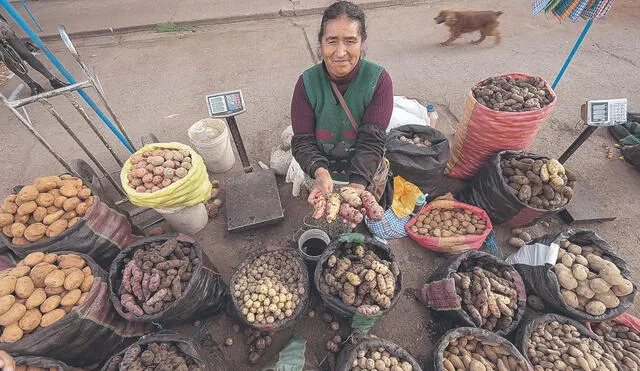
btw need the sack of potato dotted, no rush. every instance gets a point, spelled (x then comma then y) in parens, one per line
(60, 213)
(359, 279)
(621, 338)
(448, 226)
(372, 353)
(166, 352)
(57, 306)
(270, 289)
(33, 363)
(502, 121)
(419, 154)
(478, 289)
(589, 281)
(517, 188)
(166, 279)
(165, 175)
(552, 341)
(474, 349)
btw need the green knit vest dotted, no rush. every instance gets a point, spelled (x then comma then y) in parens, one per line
(335, 136)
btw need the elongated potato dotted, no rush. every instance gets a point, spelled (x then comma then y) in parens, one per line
(36, 299)
(52, 317)
(14, 314)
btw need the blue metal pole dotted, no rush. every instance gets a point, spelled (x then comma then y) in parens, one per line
(18, 19)
(24, 5)
(572, 53)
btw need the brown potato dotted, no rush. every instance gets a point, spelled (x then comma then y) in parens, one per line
(24, 287)
(69, 215)
(86, 283)
(6, 302)
(50, 303)
(71, 298)
(9, 206)
(50, 258)
(73, 221)
(39, 214)
(21, 219)
(40, 272)
(45, 199)
(14, 313)
(90, 200)
(6, 230)
(55, 279)
(74, 279)
(69, 190)
(59, 201)
(20, 271)
(86, 270)
(84, 193)
(56, 228)
(33, 259)
(17, 229)
(27, 193)
(31, 320)
(51, 218)
(27, 208)
(72, 263)
(52, 210)
(12, 333)
(54, 290)
(7, 285)
(52, 317)
(35, 232)
(82, 208)
(20, 241)
(83, 297)
(71, 203)
(37, 297)
(6, 219)
(46, 183)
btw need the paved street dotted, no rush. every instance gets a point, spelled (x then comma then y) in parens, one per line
(156, 82)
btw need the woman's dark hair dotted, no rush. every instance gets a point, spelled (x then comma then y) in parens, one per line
(343, 8)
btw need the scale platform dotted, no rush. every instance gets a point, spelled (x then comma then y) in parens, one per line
(255, 200)
(583, 208)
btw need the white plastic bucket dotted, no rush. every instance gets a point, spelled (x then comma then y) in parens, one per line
(186, 219)
(210, 138)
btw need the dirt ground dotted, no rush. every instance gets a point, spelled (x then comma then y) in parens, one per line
(157, 83)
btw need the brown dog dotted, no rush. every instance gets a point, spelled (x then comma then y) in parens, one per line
(468, 21)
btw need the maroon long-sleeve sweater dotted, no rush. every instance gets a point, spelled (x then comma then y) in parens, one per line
(371, 134)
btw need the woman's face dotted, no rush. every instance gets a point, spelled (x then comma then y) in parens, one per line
(341, 46)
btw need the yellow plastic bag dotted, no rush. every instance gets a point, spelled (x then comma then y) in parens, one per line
(191, 190)
(405, 195)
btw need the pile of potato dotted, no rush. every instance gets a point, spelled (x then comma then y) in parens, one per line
(543, 184)
(623, 342)
(351, 204)
(590, 282)
(270, 287)
(513, 95)
(23, 367)
(360, 278)
(39, 291)
(214, 204)
(44, 209)
(379, 359)
(153, 356)
(448, 223)
(156, 275)
(153, 170)
(417, 139)
(258, 342)
(488, 295)
(473, 354)
(556, 346)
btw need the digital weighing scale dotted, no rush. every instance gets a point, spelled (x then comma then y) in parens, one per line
(252, 198)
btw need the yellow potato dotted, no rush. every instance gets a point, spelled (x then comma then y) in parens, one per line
(7, 285)
(39, 214)
(52, 317)
(14, 314)
(74, 279)
(28, 193)
(12, 333)
(59, 201)
(84, 193)
(9, 206)
(7, 230)
(45, 199)
(17, 229)
(72, 263)
(50, 258)
(86, 284)
(46, 183)
(69, 215)
(19, 241)
(40, 272)
(6, 219)
(83, 297)
(71, 203)
(27, 208)
(35, 232)
(31, 320)
(69, 190)
(51, 218)
(54, 290)
(33, 258)
(71, 298)
(68, 256)
(55, 279)
(50, 303)
(24, 287)
(37, 297)
(21, 219)
(56, 228)
(86, 270)
(73, 221)
(20, 271)
(6, 302)
(55, 193)
(82, 208)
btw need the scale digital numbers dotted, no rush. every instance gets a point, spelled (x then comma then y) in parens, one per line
(608, 112)
(225, 104)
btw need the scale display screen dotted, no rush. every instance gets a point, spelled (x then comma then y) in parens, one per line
(225, 104)
(599, 112)
(606, 112)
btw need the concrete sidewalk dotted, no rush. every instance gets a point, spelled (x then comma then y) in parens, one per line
(93, 18)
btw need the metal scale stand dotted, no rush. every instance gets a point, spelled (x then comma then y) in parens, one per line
(252, 198)
(595, 113)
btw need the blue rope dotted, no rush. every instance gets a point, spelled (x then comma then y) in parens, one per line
(24, 5)
(572, 53)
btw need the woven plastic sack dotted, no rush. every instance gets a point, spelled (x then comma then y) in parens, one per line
(439, 294)
(443, 343)
(207, 359)
(491, 192)
(295, 356)
(389, 227)
(334, 303)
(101, 233)
(305, 298)
(483, 131)
(350, 351)
(205, 295)
(542, 281)
(193, 189)
(280, 160)
(45, 363)
(88, 334)
(450, 245)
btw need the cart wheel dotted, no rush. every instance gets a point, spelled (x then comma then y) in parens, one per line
(149, 138)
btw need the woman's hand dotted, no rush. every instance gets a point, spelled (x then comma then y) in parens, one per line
(6, 362)
(322, 186)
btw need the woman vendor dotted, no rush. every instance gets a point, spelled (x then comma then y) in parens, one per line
(327, 143)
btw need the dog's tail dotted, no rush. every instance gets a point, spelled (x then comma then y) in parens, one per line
(498, 14)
